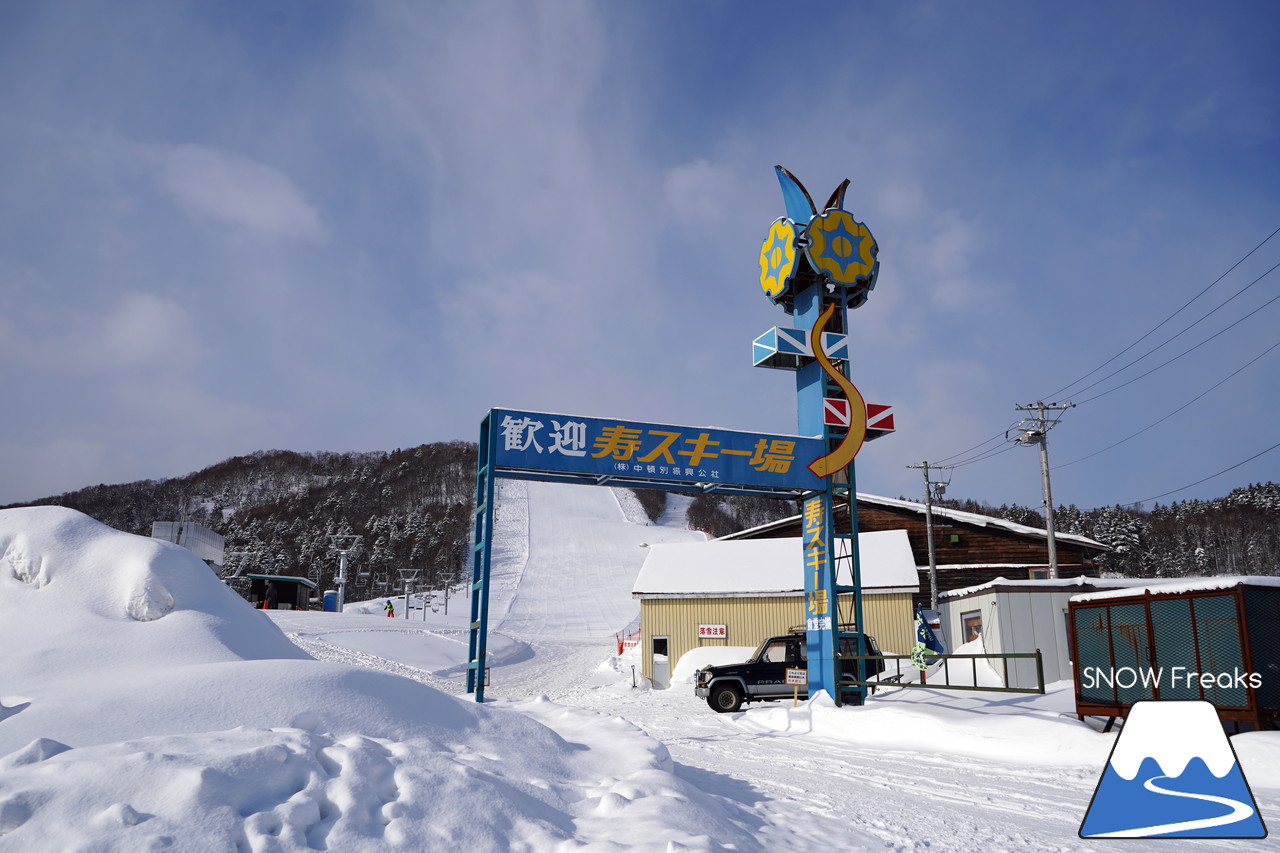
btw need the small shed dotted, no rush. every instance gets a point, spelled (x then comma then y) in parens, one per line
(1216, 639)
(294, 592)
(1016, 615)
(740, 592)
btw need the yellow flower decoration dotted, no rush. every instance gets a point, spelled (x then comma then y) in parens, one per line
(778, 257)
(843, 248)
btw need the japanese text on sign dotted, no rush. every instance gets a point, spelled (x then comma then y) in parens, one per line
(718, 632)
(562, 443)
(815, 556)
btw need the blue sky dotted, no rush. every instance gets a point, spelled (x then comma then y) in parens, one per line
(227, 227)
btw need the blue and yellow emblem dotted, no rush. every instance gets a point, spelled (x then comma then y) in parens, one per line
(778, 257)
(843, 249)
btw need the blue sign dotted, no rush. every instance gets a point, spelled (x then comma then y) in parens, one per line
(608, 448)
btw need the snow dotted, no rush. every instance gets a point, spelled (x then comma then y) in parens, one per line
(942, 512)
(1180, 585)
(1048, 584)
(762, 566)
(143, 706)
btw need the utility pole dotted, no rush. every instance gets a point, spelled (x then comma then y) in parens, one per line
(928, 526)
(345, 544)
(1039, 434)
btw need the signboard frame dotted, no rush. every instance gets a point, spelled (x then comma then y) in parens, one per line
(507, 450)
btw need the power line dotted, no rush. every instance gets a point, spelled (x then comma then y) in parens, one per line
(983, 457)
(998, 435)
(1157, 327)
(1179, 334)
(1171, 414)
(1184, 352)
(1206, 479)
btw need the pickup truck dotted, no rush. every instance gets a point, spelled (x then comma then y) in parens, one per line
(764, 676)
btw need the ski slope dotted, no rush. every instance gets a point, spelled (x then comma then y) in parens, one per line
(583, 557)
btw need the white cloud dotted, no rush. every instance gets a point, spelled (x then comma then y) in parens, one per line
(142, 330)
(696, 192)
(210, 184)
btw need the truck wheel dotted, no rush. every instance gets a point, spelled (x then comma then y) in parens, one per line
(725, 699)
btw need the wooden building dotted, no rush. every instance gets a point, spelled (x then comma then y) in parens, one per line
(970, 549)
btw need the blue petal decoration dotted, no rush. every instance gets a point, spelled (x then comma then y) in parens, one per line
(800, 207)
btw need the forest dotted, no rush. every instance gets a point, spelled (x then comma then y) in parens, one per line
(413, 509)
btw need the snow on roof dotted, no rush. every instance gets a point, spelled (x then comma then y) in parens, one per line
(288, 578)
(1179, 585)
(763, 566)
(1046, 585)
(944, 512)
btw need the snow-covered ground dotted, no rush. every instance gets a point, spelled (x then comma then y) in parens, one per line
(143, 706)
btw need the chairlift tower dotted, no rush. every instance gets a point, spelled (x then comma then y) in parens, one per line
(344, 544)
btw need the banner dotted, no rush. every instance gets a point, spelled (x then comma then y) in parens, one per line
(605, 447)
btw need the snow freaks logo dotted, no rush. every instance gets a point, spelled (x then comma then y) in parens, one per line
(1172, 774)
(1129, 677)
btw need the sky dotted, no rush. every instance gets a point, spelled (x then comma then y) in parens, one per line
(359, 226)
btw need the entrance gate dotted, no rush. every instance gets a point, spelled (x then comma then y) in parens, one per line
(816, 266)
(523, 445)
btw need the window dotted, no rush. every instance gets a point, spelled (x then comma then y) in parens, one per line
(971, 625)
(660, 646)
(776, 652)
(1038, 574)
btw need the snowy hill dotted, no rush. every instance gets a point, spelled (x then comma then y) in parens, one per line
(145, 706)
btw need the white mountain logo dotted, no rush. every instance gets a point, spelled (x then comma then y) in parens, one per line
(1173, 774)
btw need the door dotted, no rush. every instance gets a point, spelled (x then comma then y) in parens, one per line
(660, 663)
(769, 676)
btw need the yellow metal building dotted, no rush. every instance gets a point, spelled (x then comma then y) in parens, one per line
(740, 592)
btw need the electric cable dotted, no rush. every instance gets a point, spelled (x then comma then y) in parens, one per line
(1187, 329)
(1171, 414)
(998, 435)
(1184, 352)
(988, 455)
(1205, 480)
(1157, 327)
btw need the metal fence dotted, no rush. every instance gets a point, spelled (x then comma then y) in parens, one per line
(904, 663)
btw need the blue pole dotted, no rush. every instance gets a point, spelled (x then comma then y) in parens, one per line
(480, 558)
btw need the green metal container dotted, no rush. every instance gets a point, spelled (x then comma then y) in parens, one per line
(1216, 639)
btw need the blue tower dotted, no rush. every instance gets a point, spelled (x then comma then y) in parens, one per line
(817, 265)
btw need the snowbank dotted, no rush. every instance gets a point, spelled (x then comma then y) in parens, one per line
(695, 659)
